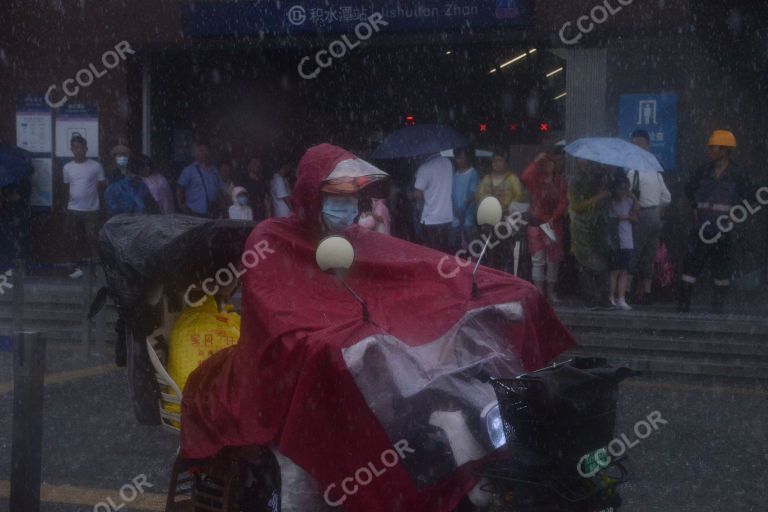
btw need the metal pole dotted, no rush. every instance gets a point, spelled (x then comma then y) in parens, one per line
(27, 422)
(101, 317)
(86, 293)
(18, 296)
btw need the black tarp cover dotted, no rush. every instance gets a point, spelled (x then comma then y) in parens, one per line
(140, 252)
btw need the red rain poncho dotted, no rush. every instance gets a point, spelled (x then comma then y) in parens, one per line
(286, 383)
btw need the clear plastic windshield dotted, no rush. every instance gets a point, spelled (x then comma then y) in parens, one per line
(418, 392)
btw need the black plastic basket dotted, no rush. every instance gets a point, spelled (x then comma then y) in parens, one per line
(561, 412)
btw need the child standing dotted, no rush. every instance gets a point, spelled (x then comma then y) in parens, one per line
(623, 212)
(240, 210)
(374, 215)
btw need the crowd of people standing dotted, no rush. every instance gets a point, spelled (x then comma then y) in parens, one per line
(608, 218)
(135, 185)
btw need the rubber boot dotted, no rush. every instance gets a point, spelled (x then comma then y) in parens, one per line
(684, 298)
(718, 299)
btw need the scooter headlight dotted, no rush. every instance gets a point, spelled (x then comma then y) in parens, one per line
(494, 424)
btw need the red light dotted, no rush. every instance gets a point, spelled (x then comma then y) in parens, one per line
(410, 120)
(483, 128)
(514, 127)
(543, 127)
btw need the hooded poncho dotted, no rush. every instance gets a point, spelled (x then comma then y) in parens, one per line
(334, 393)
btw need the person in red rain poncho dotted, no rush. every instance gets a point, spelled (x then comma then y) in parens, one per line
(288, 382)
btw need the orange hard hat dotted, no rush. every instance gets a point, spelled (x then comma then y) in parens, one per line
(722, 138)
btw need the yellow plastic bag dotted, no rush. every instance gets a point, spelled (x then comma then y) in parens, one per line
(199, 333)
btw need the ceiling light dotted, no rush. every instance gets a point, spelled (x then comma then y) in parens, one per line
(554, 72)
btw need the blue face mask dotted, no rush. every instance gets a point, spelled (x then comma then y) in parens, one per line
(242, 200)
(339, 212)
(122, 161)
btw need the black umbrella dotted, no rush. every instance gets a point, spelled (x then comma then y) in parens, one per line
(419, 140)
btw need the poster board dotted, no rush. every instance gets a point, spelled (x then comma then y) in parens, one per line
(34, 133)
(77, 118)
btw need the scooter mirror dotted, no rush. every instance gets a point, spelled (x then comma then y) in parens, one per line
(335, 253)
(489, 212)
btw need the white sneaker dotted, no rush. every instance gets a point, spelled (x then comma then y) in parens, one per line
(77, 274)
(622, 304)
(613, 301)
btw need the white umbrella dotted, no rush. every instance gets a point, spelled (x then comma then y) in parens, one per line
(612, 151)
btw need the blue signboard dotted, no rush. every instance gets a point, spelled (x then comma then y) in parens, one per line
(657, 115)
(238, 18)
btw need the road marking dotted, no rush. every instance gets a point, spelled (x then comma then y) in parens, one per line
(673, 386)
(71, 495)
(64, 377)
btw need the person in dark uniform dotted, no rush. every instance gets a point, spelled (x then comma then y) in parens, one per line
(712, 191)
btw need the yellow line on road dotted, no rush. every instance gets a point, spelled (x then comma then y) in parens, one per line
(63, 377)
(71, 495)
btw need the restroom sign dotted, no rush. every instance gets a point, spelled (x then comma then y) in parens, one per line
(657, 115)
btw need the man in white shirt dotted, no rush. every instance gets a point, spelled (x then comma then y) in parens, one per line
(84, 184)
(280, 193)
(653, 196)
(434, 183)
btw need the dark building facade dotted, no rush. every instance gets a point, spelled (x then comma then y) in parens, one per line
(240, 74)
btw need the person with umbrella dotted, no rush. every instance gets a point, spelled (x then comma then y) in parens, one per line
(653, 196)
(587, 197)
(712, 190)
(434, 177)
(434, 184)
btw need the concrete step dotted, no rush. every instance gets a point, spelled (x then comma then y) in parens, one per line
(665, 322)
(63, 315)
(678, 364)
(75, 336)
(753, 347)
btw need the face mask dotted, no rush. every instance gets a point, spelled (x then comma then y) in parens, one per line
(122, 161)
(242, 200)
(339, 212)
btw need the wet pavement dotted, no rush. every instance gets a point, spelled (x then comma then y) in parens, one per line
(710, 455)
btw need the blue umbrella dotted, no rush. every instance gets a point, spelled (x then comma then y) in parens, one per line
(612, 151)
(419, 140)
(15, 164)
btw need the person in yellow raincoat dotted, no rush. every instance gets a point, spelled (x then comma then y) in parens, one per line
(502, 184)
